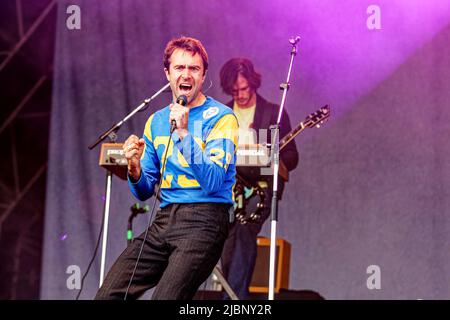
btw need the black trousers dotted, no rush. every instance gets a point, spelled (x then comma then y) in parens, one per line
(183, 245)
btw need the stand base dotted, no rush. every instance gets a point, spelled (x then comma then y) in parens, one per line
(218, 273)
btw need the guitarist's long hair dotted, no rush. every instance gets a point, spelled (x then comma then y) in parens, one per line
(238, 66)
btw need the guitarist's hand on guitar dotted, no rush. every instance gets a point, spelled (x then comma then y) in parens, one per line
(133, 149)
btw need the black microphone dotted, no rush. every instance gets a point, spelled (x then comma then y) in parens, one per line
(181, 100)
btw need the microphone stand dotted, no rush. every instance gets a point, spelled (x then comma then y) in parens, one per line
(275, 132)
(135, 210)
(111, 133)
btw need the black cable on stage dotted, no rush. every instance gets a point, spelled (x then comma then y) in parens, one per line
(158, 188)
(93, 256)
(145, 237)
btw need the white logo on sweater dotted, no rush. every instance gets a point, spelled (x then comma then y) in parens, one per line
(210, 112)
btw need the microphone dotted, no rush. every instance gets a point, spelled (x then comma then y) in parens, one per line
(181, 100)
(294, 41)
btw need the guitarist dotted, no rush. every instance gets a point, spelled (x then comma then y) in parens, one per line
(239, 80)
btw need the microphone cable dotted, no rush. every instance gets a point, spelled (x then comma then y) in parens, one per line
(158, 188)
(145, 237)
(101, 232)
(148, 225)
(93, 256)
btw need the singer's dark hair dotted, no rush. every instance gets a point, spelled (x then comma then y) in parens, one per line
(238, 66)
(189, 44)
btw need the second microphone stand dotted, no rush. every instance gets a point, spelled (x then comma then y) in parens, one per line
(275, 132)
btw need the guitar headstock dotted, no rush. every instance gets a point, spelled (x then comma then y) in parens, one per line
(317, 118)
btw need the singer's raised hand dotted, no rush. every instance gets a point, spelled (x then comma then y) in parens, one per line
(133, 149)
(180, 114)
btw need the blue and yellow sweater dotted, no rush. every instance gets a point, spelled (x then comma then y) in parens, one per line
(199, 168)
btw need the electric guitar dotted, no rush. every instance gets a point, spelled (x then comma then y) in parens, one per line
(315, 119)
(249, 199)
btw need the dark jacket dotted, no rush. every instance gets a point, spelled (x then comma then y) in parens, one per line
(266, 114)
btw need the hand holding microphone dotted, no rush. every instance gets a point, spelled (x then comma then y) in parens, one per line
(179, 115)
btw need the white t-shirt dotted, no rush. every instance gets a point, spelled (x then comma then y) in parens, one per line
(247, 135)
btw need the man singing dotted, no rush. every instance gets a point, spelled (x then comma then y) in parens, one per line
(195, 168)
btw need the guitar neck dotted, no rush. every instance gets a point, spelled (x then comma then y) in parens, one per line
(291, 135)
(313, 120)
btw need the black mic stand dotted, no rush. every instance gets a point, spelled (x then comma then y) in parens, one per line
(111, 133)
(275, 155)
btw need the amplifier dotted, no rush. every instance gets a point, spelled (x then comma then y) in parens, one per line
(260, 278)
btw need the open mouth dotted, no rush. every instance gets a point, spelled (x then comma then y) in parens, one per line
(185, 88)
